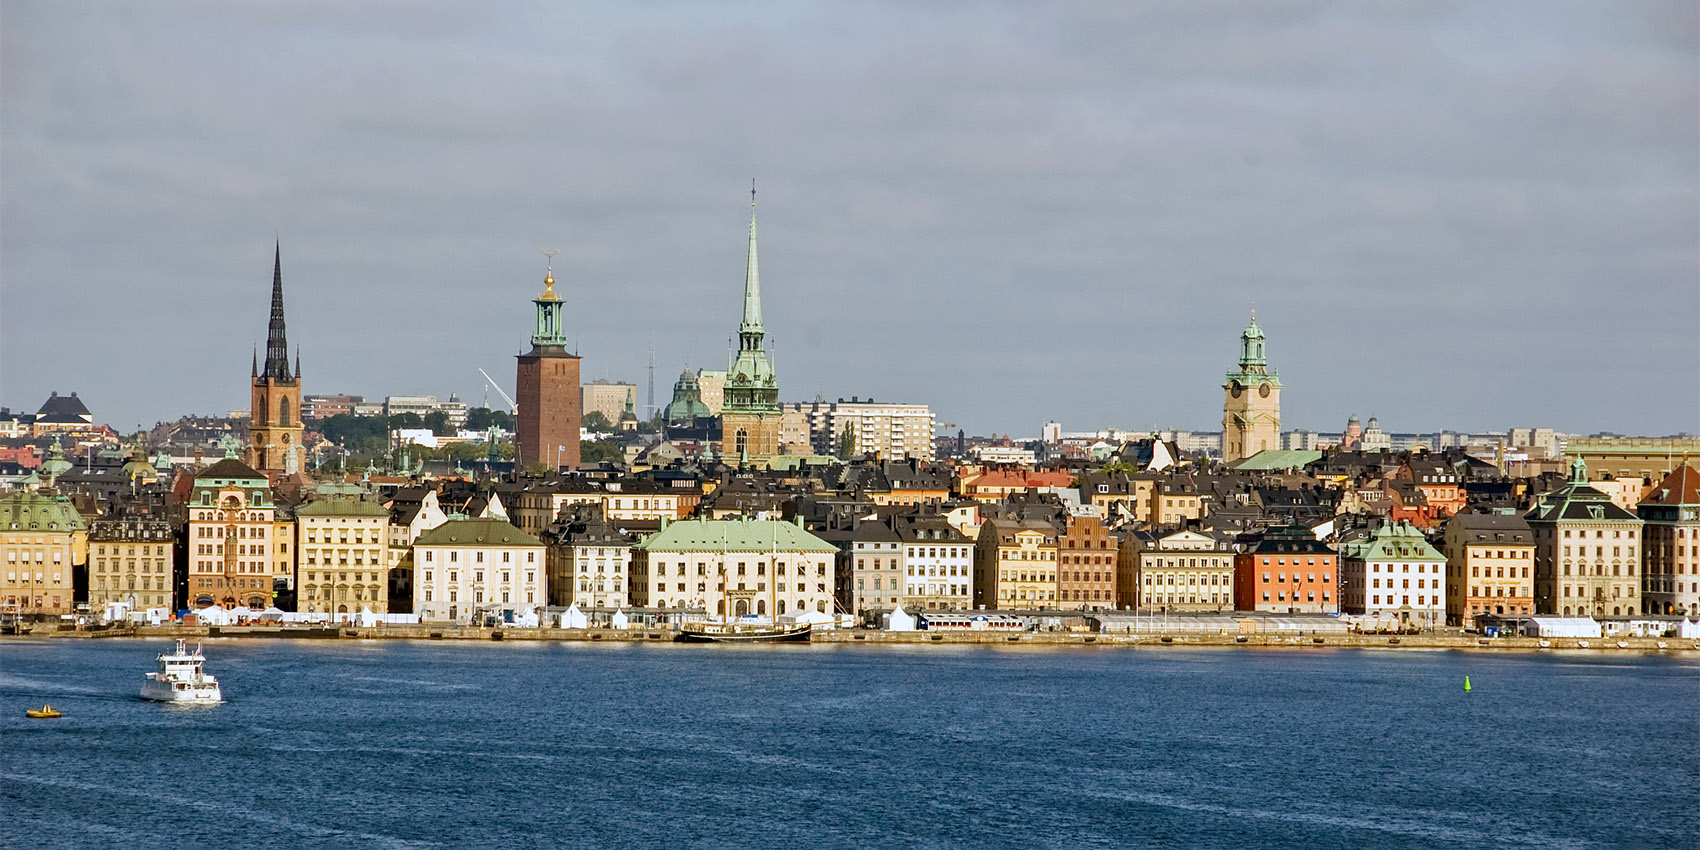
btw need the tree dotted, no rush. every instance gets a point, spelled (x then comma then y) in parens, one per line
(598, 451)
(847, 442)
(597, 421)
(438, 422)
(481, 418)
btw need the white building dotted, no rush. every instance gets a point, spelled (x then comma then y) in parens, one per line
(467, 564)
(1394, 572)
(891, 431)
(938, 563)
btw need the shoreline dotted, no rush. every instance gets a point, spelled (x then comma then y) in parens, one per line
(1475, 643)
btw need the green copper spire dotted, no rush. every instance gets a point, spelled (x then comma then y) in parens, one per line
(751, 385)
(1254, 366)
(752, 277)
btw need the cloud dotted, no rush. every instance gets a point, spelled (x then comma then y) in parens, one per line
(1008, 214)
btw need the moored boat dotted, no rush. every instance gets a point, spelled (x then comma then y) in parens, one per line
(742, 633)
(180, 678)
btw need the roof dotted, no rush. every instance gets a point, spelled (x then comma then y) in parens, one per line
(1681, 487)
(64, 408)
(230, 468)
(28, 510)
(1506, 528)
(341, 507)
(1398, 541)
(734, 535)
(1277, 459)
(482, 531)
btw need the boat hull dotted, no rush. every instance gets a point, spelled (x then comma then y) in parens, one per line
(201, 694)
(799, 634)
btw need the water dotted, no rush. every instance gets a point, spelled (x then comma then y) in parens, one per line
(512, 745)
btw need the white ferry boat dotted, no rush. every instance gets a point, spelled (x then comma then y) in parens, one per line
(180, 678)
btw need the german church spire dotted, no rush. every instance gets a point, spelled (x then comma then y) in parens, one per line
(752, 277)
(277, 344)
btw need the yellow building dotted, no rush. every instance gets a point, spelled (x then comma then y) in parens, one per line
(735, 567)
(1183, 571)
(1015, 564)
(43, 541)
(1490, 562)
(130, 561)
(344, 548)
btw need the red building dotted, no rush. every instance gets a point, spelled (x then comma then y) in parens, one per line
(1289, 571)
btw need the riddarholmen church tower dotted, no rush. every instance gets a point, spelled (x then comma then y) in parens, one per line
(274, 424)
(749, 412)
(1251, 411)
(550, 400)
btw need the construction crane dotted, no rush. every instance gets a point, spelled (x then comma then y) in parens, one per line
(491, 382)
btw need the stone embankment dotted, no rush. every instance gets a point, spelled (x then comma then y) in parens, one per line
(860, 636)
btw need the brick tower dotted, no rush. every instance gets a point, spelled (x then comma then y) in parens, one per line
(548, 391)
(274, 424)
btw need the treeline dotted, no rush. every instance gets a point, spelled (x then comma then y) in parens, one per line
(370, 434)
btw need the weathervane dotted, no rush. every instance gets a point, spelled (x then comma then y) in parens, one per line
(550, 253)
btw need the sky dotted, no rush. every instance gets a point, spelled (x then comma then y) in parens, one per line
(1471, 215)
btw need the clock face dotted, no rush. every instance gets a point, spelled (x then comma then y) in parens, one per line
(1234, 388)
(1263, 389)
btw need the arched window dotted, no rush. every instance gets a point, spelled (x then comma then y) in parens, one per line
(761, 607)
(780, 607)
(743, 442)
(260, 415)
(283, 411)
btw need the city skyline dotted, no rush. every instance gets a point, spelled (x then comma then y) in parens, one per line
(1469, 218)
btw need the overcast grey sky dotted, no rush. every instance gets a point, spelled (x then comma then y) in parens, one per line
(1465, 215)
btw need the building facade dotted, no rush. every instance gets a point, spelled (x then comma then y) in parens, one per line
(1587, 551)
(589, 560)
(547, 389)
(1183, 571)
(130, 560)
(274, 411)
(735, 567)
(1671, 546)
(1394, 571)
(938, 562)
(43, 541)
(344, 556)
(1015, 564)
(233, 543)
(1490, 560)
(1086, 563)
(1287, 571)
(1251, 411)
(467, 566)
(610, 398)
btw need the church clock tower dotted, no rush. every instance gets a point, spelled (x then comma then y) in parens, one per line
(1251, 409)
(749, 412)
(274, 424)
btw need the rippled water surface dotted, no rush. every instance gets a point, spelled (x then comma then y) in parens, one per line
(508, 745)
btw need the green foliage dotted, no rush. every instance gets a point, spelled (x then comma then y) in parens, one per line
(596, 421)
(438, 422)
(481, 418)
(407, 420)
(599, 451)
(364, 434)
(847, 442)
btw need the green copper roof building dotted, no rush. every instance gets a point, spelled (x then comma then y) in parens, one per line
(734, 535)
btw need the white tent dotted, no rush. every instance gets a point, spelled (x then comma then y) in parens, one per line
(573, 618)
(1562, 627)
(214, 616)
(365, 619)
(813, 618)
(273, 614)
(1688, 629)
(526, 618)
(620, 621)
(899, 620)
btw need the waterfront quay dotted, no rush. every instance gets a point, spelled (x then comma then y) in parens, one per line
(449, 632)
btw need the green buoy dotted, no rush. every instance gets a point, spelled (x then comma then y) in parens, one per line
(1466, 684)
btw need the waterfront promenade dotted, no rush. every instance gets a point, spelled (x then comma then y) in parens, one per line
(427, 631)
